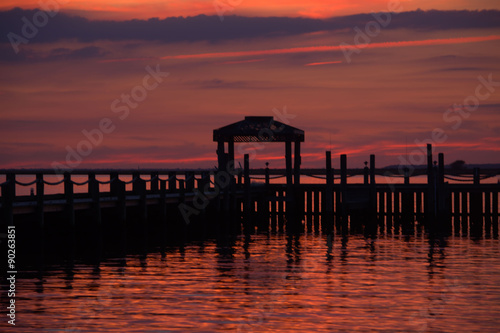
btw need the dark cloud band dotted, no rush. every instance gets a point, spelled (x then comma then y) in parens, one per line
(209, 28)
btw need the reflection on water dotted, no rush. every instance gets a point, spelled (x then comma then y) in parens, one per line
(275, 283)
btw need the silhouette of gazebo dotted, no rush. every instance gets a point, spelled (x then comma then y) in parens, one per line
(261, 129)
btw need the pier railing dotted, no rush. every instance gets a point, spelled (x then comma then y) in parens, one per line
(383, 194)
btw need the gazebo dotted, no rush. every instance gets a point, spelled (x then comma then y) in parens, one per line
(261, 129)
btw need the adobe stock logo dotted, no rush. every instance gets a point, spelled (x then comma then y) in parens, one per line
(121, 107)
(372, 30)
(40, 19)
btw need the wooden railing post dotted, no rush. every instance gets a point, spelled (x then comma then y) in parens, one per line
(95, 196)
(327, 221)
(182, 190)
(343, 190)
(329, 184)
(172, 181)
(476, 205)
(113, 186)
(154, 182)
(118, 189)
(247, 204)
(476, 172)
(190, 180)
(163, 208)
(96, 209)
(407, 205)
(139, 187)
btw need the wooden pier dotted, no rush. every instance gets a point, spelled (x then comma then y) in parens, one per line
(163, 203)
(157, 205)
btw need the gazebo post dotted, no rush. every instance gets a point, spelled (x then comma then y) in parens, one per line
(289, 185)
(220, 154)
(298, 195)
(230, 167)
(297, 162)
(288, 161)
(230, 151)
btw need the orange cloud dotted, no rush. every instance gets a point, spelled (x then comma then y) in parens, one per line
(241, 61)
(128, 9)
(323, 63)
(427, 42)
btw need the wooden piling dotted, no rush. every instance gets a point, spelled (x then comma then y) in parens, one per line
(366, 174)
(289, 177)
(139, 188)
(172, 181)
(465, 211)
(441, 168)
(309, 209)
(430, 198)
(267, 175)
(329, 189)
(316, 208)
(442, 197)
(418, 203)
(381, 209)
(487, 213)
(476, 206)
(328, 218)
(8, 198)
(494, 215)
(190, 180)
(297, 162)
(69, 196)
(274, 216)
(388, 207)
(40, 216)
(373, 194)
(456, 212)
(281, 209)
(372, 169)
(93, 188)
(397, 220)
(163, 208)
(407, 204)
(154, 182)
(247, 200)
(118, 189)
(343, 189)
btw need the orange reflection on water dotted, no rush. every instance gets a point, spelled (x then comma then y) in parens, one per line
(275, 283)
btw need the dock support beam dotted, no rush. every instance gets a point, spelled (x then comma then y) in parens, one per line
(476, 206)
(430, 206)
(328, 219)
(96, 208)
(247, 201)
(8, 197)
(343, 190)
(297, 162)
(118, 190)
(70, 209)
(39, 202)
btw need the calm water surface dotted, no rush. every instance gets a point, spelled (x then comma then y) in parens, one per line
(274, 283)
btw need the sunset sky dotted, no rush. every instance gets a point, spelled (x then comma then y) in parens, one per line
(355, 82)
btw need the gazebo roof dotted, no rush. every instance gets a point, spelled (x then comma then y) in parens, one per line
(258, 129)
